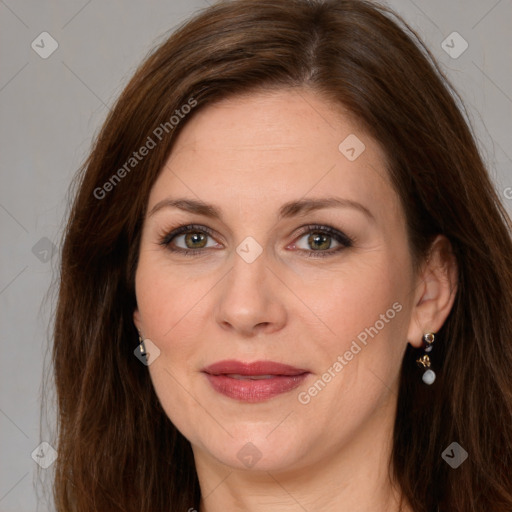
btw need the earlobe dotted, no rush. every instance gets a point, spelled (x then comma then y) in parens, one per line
(437, 287)
(136, 320)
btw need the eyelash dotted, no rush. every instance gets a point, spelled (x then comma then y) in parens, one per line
(340, 237)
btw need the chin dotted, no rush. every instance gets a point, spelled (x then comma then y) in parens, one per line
(257, 452)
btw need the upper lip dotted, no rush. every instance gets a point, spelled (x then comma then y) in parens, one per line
(254, 368)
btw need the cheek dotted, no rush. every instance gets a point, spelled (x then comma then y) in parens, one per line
(166, 295)
(167, 302)
(358, 297)
(367, 313)
(171, 320)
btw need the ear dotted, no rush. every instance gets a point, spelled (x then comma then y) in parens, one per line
(436, 287)
(136, 320)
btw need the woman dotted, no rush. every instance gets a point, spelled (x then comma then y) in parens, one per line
(286, 279)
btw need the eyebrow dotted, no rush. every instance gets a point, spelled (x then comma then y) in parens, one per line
(288, 210)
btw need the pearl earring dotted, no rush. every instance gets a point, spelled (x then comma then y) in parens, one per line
(429, 375)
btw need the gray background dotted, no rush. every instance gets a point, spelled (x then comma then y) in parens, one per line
(51, 108)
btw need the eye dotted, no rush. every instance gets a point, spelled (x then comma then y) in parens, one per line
(190, 239)
(319, 241)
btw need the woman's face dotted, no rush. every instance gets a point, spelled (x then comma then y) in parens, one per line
(299, 257)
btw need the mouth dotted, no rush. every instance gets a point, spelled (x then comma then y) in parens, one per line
(253, 382)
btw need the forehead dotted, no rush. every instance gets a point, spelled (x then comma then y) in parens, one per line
(274, 146)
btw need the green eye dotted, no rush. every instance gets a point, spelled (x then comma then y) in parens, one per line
(195, 239)
(319, 241)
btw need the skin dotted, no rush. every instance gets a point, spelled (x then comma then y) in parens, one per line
(248, 155)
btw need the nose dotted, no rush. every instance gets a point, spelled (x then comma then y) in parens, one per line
(251, 299)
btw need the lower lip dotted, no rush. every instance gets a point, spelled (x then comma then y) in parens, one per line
(255, 390)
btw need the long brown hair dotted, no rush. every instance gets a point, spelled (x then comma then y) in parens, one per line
(118, 451)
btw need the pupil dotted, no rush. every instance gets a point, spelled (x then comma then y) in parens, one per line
(320, 240)
(193, 238)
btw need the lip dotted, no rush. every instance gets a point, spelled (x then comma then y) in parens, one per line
(256, 368)
(233, 379)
